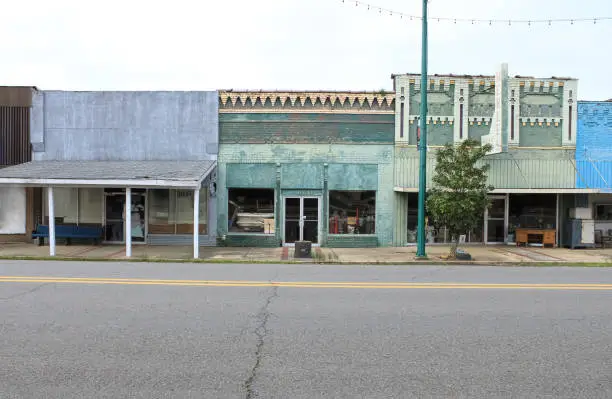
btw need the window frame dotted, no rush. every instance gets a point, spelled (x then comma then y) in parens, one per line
(272, 230)
(331, 232)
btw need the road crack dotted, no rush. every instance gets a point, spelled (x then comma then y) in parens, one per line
(261, 332)
(24, 292)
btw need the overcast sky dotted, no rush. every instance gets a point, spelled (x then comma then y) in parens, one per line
(291, 44)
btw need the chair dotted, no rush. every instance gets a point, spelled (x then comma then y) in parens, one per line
(599, 238)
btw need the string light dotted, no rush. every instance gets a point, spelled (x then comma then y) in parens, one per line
(475, 21)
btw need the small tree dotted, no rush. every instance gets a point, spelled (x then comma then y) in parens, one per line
(459, 196)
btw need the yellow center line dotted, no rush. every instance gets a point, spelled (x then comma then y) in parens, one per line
(301, 284)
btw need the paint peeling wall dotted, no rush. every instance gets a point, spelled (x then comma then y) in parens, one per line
(300, 169)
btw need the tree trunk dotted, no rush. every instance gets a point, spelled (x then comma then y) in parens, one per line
(453, 248)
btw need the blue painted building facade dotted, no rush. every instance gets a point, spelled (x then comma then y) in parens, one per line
(594, 145)
(594, 161)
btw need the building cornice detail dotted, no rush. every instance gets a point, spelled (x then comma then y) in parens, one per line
(306, 102)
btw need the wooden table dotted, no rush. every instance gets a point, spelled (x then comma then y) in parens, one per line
(548, 236)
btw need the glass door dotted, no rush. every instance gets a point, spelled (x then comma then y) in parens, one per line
(495, 225)
(138, 216)
(114, 220)
(310, 218)
(293, 222)
(301, 219)
(113, 223)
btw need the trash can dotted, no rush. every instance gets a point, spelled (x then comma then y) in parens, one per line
(303, 249)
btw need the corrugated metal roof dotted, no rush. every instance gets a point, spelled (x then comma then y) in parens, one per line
(175, 171)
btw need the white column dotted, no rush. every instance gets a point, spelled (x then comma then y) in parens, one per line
(51, 221)
(196, 223)
(128, 222)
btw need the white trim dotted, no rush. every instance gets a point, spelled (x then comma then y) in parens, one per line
(194, 183)
(149, 183)
(521, 190)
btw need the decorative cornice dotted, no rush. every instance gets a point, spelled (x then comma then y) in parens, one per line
(306, 102)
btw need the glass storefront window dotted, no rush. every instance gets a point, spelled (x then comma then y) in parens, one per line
(66, 205)
(171, 211)
(531, 211)
(90, 205)
(12, 210)
(352, 212)
(435, 234)
(250, 211)
(603, 212)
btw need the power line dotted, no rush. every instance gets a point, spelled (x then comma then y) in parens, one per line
(474, 21)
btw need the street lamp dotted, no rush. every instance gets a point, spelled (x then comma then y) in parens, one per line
(423, 141)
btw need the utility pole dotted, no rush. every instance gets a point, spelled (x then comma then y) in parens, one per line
(423, 141)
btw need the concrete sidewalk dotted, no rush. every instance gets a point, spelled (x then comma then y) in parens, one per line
(401, 255)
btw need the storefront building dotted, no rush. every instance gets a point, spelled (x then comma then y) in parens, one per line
(305, 166)
(594, 164)
(533, 130)
(16, 216)
(95, 152)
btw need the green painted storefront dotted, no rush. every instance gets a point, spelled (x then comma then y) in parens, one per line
(305, 156)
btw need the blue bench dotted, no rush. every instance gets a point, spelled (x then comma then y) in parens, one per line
(69, 232)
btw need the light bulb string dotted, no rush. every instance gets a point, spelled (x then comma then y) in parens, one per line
(490, 21)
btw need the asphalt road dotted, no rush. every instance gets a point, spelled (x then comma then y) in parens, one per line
(133, 330)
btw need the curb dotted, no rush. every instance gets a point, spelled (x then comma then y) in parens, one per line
(315, 262)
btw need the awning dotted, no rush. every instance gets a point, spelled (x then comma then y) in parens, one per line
(521, 190)
(135, 174)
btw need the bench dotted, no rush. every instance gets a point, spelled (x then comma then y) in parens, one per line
(69, 232)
